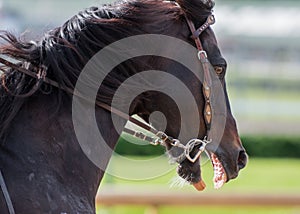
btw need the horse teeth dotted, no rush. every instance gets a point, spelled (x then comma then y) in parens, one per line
(219, 172)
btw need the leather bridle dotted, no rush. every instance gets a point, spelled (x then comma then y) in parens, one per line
(202, 56)
(160, 138)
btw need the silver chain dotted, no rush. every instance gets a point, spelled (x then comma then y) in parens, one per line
(162, 137)
(187, 149)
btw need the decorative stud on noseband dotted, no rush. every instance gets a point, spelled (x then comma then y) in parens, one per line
(209, 21)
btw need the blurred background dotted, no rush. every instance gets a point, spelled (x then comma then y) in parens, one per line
(261, 42)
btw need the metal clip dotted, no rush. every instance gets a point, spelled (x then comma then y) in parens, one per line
(202, 52)
(162, 135)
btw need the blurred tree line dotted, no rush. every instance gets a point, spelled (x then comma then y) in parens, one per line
(256, 146)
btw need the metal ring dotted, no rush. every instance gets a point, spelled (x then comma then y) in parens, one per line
(193, 160)
(211, 19)
(175, 142)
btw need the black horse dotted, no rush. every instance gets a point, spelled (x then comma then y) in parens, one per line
(44, 167)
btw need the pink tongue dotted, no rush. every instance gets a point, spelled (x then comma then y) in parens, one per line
(200, 186)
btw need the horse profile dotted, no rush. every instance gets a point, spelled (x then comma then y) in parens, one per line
(43, 165)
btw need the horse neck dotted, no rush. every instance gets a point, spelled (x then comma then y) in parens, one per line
(43, 146)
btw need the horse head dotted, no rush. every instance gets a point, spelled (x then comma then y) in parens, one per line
(225, 151)
(159, 35)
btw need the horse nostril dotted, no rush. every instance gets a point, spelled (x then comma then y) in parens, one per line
(242, 159)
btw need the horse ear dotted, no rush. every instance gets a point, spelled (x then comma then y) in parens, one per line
(209, 4)
(198, 10)
(204, 4)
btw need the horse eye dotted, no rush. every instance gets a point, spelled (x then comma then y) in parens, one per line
(218, 70)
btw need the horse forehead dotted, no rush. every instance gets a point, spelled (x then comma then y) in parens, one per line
(209, 35)
(212, 48)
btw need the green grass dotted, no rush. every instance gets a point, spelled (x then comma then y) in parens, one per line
(261, 176)
(268, 176)
(194, 210)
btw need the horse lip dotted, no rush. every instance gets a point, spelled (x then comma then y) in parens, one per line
(233, 176)
(229, 176)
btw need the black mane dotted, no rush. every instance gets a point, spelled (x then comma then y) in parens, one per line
(64, 51)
